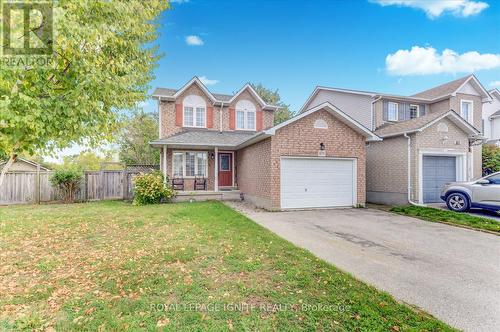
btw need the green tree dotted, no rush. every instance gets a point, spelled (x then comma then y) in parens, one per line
(133, 141)
(88, 161)
(491, 159)
(273, 98)
(67, 179)
(103, 62)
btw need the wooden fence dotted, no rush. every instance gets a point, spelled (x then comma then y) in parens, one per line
(35, 187)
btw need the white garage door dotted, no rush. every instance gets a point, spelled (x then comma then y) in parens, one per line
(315, 183)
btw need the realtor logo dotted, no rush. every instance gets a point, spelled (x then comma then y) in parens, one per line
(27, 28)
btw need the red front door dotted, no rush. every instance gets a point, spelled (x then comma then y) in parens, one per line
(225, 169)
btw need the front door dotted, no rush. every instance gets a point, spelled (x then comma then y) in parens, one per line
(225, 169)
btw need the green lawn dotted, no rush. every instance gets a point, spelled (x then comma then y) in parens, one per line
(438, 215)
(199, 266)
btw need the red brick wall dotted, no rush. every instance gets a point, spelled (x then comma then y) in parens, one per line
(259, 164)
(253, 175)
(171, 115)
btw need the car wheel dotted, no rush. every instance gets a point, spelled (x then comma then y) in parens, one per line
(457, 202)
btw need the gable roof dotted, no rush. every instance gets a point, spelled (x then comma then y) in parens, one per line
(318, 88)
(252, 92)
(495, 92)
(20, 159)
(443, 89)
(428, 96)
(451, 89)
(337, 113)
(423, 122)
(495, 115)
(216, 98)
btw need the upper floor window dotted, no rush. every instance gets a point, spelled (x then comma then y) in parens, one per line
(245, 115)
(466, 110)
(195, 111)
(392, 111)
(414, 110)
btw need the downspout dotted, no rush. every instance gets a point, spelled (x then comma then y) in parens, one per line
(372, 120)
(220, 116)
(159, 117)
(409, 172)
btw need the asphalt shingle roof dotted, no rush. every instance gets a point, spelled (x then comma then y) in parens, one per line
(207, 137)
(167, 92)
(442, 90)
(164, 92)
(408, 125)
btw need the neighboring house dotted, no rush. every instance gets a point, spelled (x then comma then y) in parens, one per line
(491, 118)
(23, 165)
(316, 159)
(429, 138)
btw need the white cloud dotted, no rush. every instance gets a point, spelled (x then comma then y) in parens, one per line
(194, 40)
(426, 61)
(495, 84)
(179, 1)
(435, 8)
(205, 80)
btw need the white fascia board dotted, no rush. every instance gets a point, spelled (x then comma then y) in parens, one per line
(252, 91)
(486, 94)
(319, 88)
(195, 80)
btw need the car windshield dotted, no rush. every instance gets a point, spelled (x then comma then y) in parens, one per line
(494, 178)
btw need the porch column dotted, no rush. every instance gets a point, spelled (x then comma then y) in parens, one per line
(216, 168)
(164, 155)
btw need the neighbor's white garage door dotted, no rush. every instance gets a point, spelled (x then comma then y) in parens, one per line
(315, 183)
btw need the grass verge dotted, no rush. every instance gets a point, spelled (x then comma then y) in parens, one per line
(184, 267)
(451, 217)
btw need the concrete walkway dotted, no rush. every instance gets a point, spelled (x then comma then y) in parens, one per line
(450, 272)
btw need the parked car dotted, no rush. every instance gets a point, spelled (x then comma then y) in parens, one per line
(482, 194)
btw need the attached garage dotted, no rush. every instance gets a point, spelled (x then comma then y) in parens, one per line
(318, 183)
(313, 160)
(436, 172)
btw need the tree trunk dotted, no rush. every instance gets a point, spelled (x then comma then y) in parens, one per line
(6, 167)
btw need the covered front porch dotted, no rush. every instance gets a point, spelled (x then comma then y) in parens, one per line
(194, 169)
(201, 163)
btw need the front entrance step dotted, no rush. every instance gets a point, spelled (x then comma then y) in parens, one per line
(184, 196)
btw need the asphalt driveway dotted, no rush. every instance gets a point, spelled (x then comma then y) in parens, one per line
(450, 272)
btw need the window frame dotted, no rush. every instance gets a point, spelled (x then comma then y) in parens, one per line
(245, 117)
(195, 106)
(471, 110)
(183, 153)
(397, 111)
(418, 111)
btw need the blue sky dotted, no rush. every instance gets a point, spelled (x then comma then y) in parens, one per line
(295, 45)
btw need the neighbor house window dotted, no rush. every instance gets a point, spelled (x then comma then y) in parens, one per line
(466, 110)
(195, 111)
(245, 115)
(392, 111)
(413, 111)
(190, 164)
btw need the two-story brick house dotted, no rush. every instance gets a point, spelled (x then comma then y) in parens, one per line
(316, 159)
(429, 138)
